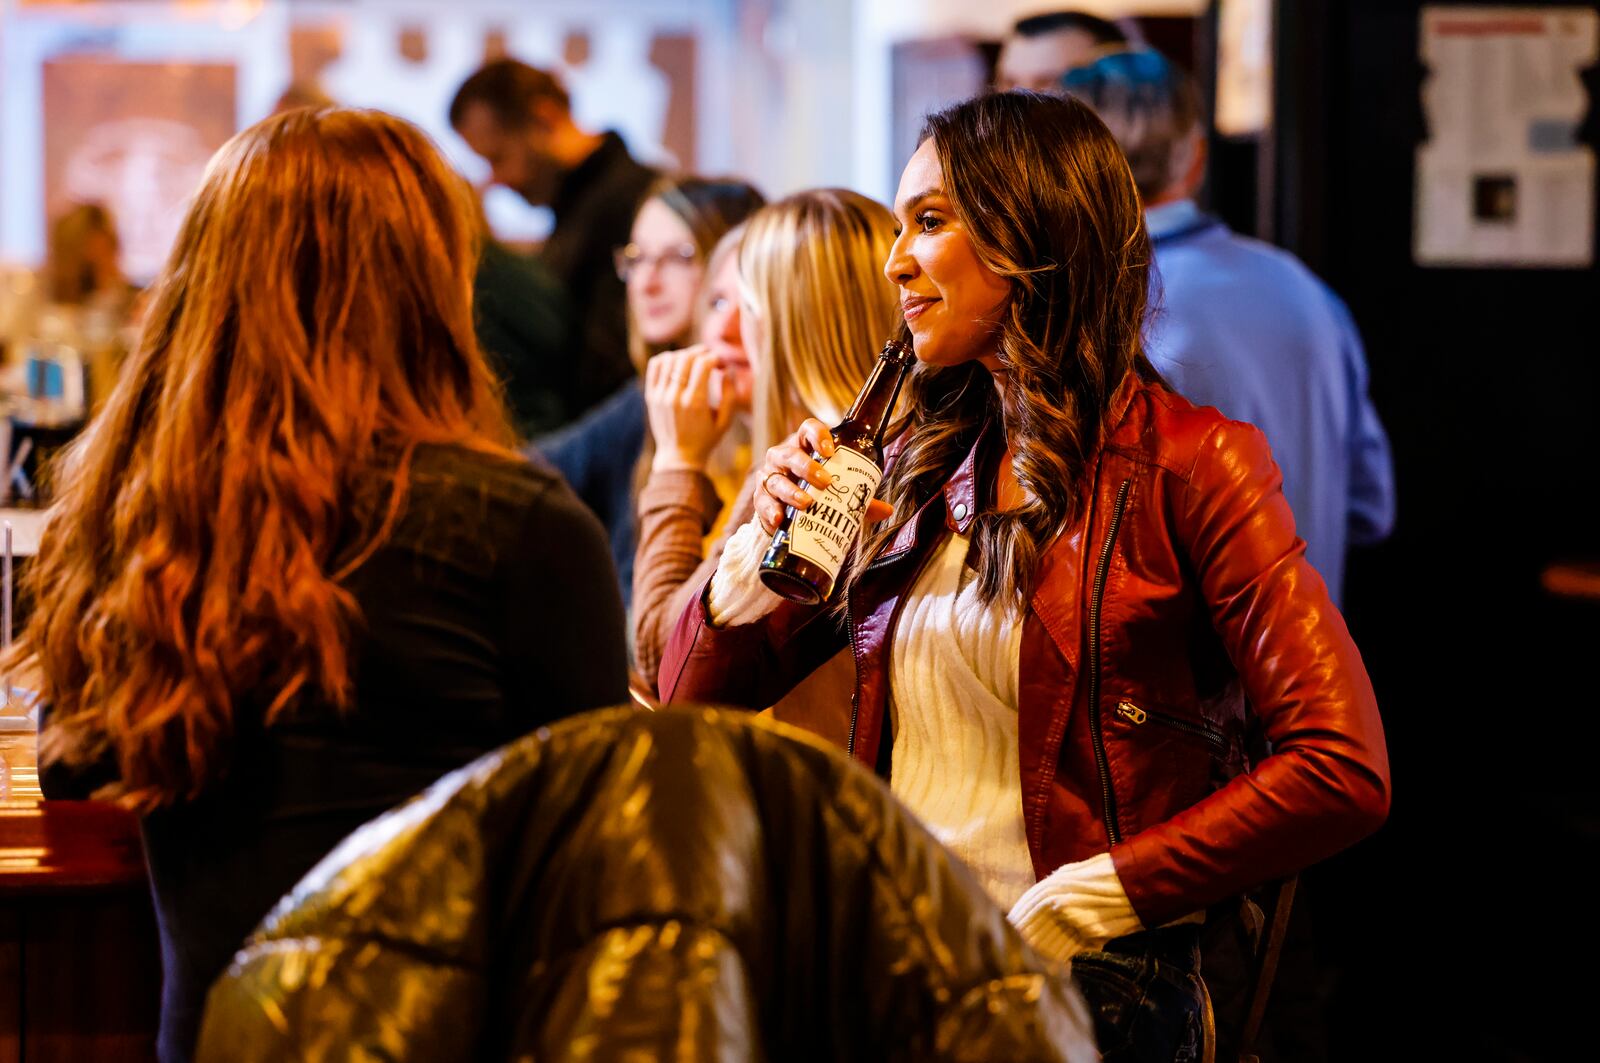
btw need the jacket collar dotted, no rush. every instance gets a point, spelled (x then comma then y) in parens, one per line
(608, 155)
(1121, 401)
(961, 489)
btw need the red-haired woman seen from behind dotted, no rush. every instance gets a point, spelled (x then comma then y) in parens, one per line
(295, 572)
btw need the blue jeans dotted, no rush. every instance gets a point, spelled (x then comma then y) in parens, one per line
(1145, 994)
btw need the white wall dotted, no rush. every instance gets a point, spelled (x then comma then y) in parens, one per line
(791, 93)
(617, 89)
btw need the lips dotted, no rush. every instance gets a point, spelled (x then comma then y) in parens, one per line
(912, 306)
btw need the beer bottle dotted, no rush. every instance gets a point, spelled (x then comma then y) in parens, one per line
(810, 545)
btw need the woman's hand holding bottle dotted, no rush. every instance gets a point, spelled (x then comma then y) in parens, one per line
(789, 467)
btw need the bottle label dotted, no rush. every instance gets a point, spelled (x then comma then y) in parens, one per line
(824, 533)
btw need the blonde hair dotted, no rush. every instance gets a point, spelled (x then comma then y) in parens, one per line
(811, 270)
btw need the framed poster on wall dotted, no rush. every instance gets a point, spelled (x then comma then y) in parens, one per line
(134, 137)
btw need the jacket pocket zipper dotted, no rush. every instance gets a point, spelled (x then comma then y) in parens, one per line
(1137, 716)
(1096, 734)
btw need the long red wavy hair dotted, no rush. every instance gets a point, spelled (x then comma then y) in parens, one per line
(313, 325)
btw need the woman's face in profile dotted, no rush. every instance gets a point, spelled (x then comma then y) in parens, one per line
(952, 302)
(721, 332)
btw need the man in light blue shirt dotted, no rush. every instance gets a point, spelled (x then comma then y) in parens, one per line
(1244, 326)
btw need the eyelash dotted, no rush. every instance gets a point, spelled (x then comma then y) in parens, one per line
(925, 221)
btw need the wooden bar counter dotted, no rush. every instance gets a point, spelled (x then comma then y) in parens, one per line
(80, 968)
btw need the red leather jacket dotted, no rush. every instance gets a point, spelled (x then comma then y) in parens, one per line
(1181, 593)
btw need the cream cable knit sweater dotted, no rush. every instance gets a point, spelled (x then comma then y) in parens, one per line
(953, 683)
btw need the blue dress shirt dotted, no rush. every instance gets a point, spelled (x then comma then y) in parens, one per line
(1244, 326)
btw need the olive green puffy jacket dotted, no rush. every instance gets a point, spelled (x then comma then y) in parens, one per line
(681, 885)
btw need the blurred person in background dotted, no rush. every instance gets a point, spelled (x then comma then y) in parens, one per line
(524, 323)
(296, 571)
(793, 322)
(83, 332)
(518, 119)
(1079, 583)
(84, 270)
(1244, 326)
(303, 93)
(663, 266)
(1042, 47)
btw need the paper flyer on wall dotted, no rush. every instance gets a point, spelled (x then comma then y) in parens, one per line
(1502, 179)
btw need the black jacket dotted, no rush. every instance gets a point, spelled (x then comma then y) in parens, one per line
(594, 209)
(682, 885)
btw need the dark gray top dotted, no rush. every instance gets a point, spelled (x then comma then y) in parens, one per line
(492, 609)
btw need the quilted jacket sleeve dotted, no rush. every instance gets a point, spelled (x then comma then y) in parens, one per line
(686, 886)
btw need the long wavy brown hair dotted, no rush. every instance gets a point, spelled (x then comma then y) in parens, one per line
(312, 327)
(1047, 198)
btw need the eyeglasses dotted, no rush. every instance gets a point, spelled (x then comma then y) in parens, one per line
(632, 256)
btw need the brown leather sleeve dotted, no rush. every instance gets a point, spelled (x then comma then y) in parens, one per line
(1326, 784)
(751, 666)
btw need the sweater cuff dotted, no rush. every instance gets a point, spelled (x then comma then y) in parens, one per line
(1076, 908)
(737, 595)
(681, 487)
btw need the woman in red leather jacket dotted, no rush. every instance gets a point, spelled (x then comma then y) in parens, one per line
(1083, 582)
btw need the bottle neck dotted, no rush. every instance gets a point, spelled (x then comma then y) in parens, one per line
(870, 413)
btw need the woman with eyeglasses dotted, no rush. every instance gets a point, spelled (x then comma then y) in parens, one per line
(663, 266)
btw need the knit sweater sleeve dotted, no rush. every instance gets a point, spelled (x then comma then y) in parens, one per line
(676, 510)
(1076, 908)
(738, 596)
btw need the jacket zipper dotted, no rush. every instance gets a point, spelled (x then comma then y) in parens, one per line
(1097, 738)
(1135, 715)
(855, 688)
(850, 628)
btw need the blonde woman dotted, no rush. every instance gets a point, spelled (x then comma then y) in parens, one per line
(790, 325)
